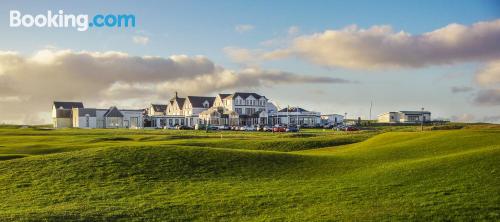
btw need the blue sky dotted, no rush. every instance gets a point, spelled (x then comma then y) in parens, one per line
(208, 27)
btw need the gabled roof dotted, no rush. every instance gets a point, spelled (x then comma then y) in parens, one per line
(180, 101)
(91, 112)
(293, 109)
(68, 105)
(197, 101)
(244, 95)
(159, 107)
(223, 96)
(113, 112)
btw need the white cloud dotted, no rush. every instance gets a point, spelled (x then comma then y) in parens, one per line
(244, 28)
(29, 84)
(382, 47)
(489, 75)
(141, 40)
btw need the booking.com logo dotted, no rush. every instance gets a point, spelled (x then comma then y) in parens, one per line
(60, 20)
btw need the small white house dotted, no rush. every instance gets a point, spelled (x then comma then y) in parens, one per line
(332, 119)
(106, 118)
(405, 117)
(295, 116)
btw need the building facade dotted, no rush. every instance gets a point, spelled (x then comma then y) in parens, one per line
(295, 116)
(62, 115)
(332, 119)
(73, 114)
(236, 109)
(405, 117)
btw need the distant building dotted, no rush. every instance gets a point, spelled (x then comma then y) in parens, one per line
(332, 119)
(405, 117)
(62, 113)
(295, 116)
(236, 109)
(73, 114)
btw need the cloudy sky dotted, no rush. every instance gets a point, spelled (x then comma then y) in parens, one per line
(333, 57)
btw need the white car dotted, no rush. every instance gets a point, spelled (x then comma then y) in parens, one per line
(250, 128)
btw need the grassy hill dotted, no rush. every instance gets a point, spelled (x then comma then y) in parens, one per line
(102, 175)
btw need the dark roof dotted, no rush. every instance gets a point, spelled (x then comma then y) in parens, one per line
(87, 111)
(68, 105)
(113, 112)
(415, 112)
(245, 95)
(293, 109)
(223, 96)
(180, 101)
(197, 101)
(159, 107)
(64, 113)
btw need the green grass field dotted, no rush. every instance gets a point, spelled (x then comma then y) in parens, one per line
(317, 175)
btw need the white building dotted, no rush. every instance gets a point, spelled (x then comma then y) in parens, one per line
(239, 108)
(73, 114)
(62, 113)
(295, 116)
(332, 119)
(107, 118)
(405, 117)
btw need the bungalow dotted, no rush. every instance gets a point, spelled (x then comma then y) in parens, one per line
(295, 116)
(332, 119)
(73, 114)
(405, 117)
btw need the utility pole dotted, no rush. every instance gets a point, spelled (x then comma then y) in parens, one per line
(422, 121)
(371, 105)
(345, 118)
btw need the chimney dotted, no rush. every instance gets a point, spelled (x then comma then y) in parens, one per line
(176, 95)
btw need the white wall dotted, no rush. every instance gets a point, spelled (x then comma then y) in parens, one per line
(129, 114)
(82, 122)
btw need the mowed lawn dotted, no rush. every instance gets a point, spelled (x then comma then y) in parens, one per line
(316, 175)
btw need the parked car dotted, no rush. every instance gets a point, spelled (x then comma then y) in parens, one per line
(169, 127)
(292, 129)
(339, 128)
(260, 128)
(181, 127)
(350, 128)
(277, 129)
(213, 127)
(250, 128)
(267, 129)
(328, 126)
(224, 127)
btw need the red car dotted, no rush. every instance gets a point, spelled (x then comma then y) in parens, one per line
(351, 128)
(277, 129)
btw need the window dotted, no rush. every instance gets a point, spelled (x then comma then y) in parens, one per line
(238, 110)
(87, 121)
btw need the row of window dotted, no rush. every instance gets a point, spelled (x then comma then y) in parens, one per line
(248, 111)
(250, 102)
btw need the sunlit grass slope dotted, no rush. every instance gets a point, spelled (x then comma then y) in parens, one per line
(435, 175)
